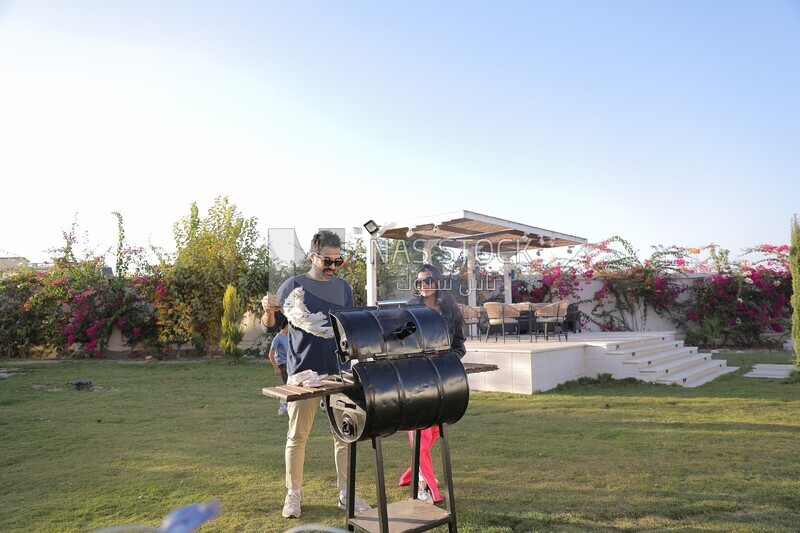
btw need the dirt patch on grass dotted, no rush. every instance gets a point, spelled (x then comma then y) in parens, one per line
(8, 372)
(16, 362)
(71, 388)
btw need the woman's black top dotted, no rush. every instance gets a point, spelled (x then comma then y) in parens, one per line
(455, 326)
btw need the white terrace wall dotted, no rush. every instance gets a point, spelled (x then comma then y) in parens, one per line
(117, 343)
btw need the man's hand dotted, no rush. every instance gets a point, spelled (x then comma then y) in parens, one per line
(270, 303)
(277, 371)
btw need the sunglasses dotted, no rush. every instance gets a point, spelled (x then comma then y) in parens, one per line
(339, 261)
(419, 282)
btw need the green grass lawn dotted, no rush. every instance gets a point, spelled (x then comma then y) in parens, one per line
(601, 457)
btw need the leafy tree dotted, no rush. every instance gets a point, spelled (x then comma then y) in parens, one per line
(21, 323)
(398, 261)
(354, 271)
(233, 312)
(260, 274)
(212, 253)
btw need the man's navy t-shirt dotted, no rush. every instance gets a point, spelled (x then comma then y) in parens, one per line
(307, 351)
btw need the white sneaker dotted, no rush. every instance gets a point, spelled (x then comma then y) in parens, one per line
(361, 505)
(283, 409)
(291, 505)
(424, 493)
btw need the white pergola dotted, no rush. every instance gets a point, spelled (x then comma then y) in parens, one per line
(472, 232)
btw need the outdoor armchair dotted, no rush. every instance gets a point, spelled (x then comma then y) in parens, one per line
(499, 315)
(472, 316)
(555, 314)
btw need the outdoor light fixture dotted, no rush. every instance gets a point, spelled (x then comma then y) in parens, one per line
(569, 250)
(538, 252)
(410, 233)
(435, 229)
(371, 227)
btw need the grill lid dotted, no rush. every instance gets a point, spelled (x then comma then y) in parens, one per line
(380, 332)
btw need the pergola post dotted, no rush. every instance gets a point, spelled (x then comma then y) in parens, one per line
(472, 293)
(472, 296)
(508, 267)
(428, 251)
(372, 269)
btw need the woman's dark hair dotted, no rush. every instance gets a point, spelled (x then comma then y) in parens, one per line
(442, 296)
(325, 238)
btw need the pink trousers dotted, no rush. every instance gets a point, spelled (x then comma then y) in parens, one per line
(427, 438)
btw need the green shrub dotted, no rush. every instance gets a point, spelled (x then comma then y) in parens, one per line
(233, 312)
(21, 323)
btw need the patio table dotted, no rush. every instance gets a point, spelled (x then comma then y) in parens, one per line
(528, 311)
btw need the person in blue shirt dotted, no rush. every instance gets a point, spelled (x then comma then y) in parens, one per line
(277, 356)
(324, 292)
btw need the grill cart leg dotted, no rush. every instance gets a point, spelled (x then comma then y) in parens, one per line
(406, 515)
(448, 477)
(351, 485)
(380, 485)
(415, 464)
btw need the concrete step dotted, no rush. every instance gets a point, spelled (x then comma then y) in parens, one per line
(711, 377)
(623, 345)
(657, 358)
(695, 373)
(674, 366)
(765, 370)
(645, 349)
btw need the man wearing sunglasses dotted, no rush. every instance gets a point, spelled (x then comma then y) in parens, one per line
(324, 292)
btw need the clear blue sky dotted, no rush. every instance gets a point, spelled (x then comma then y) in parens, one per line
(664, 122)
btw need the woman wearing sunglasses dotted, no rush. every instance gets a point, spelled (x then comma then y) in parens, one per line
(431, 290)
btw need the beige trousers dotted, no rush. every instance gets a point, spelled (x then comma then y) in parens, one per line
(301, 418)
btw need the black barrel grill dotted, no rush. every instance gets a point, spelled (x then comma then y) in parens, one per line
(397, 373)
(404, 377)
(407, 378)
